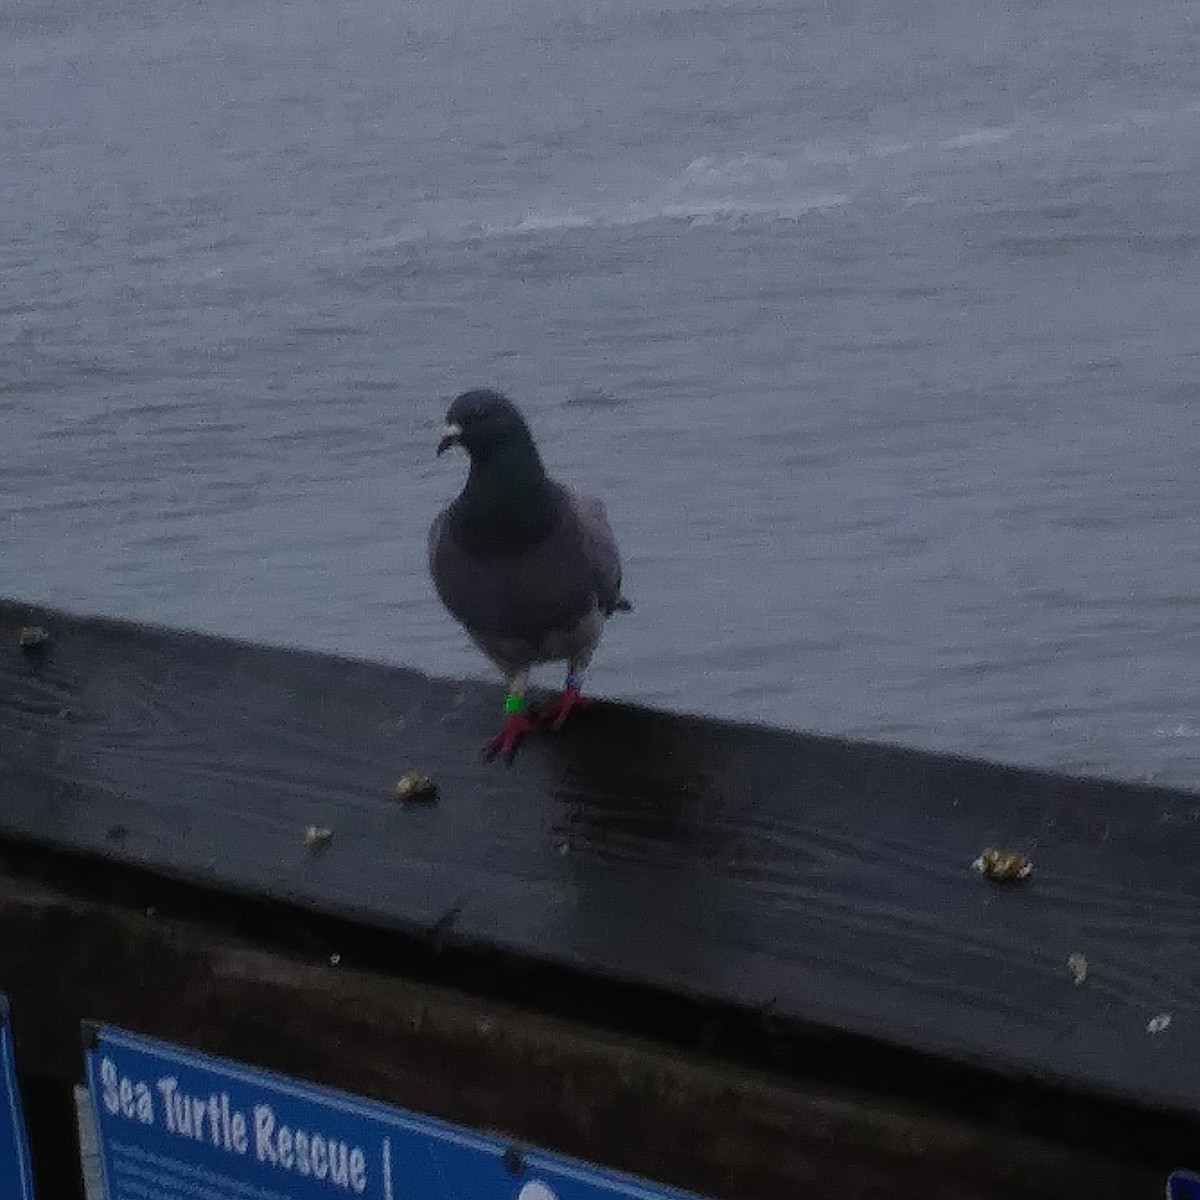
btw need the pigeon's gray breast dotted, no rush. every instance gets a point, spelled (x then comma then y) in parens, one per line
(531, 596)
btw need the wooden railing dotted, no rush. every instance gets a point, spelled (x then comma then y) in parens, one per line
(749, 963)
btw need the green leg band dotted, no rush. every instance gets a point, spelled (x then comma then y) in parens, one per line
(514, 705)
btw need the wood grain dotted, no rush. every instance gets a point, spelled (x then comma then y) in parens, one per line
(819, 881)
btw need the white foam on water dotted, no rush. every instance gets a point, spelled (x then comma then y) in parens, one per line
(709, 191)
(740, 171)
(1178, 732)
(972, 138)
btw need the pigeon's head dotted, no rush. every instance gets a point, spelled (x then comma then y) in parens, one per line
(482, 421)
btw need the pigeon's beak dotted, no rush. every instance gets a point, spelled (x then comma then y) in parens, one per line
(451, 436)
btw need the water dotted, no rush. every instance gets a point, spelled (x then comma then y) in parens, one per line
(875, 324)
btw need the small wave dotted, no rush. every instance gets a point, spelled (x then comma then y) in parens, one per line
(698, 211)
(976, 137)
(1177, 732)
(594, 397)
(693, 211)
(741, 171)
(890, 147)
(781, 210)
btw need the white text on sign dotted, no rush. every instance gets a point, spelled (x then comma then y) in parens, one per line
(214, 1120)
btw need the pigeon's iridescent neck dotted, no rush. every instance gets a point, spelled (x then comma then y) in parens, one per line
(507, 504)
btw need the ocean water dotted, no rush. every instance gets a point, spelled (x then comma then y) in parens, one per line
(875, 324)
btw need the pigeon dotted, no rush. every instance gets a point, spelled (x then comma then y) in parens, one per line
(528, 566)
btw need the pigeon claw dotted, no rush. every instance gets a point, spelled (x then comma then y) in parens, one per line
(516, 727)
(570, 700)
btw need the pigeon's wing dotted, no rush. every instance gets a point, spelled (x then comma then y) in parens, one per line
(599, 547)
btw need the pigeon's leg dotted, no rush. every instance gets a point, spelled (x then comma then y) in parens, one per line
(572, 698)
(517, 722)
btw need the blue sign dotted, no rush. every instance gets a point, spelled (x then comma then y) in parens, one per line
(1183, 1185)
(16, 1175)
(173, 1124)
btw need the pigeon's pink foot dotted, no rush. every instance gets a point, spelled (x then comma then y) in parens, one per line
(570, 700)
(516, 726)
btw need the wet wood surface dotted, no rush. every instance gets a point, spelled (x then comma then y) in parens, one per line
(814, 881)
